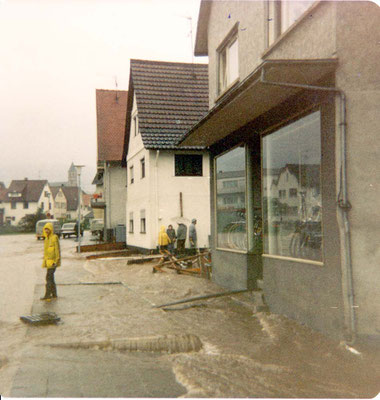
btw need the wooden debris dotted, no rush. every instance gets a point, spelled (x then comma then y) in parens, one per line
(207, 296)
(197, 264)
(143, 259)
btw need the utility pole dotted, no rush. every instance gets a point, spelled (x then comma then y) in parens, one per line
(79, 168)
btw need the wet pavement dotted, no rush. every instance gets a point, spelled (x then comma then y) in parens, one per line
(244, 353)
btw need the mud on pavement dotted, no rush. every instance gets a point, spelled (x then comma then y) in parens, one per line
(240, 353)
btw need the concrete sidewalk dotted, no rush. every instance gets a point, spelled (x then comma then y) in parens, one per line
(243, 354)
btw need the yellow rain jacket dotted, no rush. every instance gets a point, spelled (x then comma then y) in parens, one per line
(52, 251)
(163, 238)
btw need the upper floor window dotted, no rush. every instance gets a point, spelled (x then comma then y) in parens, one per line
(135, 125)
(228, 61)
(188, 164)
(13, 206)
(283, 14)
(26, 205)
(142, 163)
(131, 174)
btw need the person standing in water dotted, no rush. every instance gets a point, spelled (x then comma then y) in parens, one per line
(51, 260)
(163, 239)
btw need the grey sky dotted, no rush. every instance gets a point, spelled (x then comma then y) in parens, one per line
(54, 54)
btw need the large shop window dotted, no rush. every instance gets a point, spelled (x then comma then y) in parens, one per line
(231, 200)
(292, 190)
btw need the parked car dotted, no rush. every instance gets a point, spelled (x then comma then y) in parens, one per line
(40, 225)
(96, 226)
(70, 229)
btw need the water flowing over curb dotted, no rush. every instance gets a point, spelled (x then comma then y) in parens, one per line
(158, 344)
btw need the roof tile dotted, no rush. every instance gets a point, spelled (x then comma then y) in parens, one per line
(171, 98)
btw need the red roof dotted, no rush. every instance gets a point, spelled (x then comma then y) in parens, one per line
(111, 109)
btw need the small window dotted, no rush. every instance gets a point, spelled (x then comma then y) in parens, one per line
(46, 194)
(142, 222)
(42, 206)
(282, 15)
(142, 162)
(26, 205)
(228, 63)
(131, 222)
(292, 192)
(131, 175)
(188, 164)
(282, 194)
(13, 206)
(135, 125)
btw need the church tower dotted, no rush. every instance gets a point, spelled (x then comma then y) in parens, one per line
(72, 175)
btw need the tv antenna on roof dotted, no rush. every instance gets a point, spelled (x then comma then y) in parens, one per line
(190, 19)
(116, 93)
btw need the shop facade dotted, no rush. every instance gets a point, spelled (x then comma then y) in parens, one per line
(287, 108)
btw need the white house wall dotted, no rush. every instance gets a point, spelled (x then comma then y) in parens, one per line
(195, 196)
(115, 181)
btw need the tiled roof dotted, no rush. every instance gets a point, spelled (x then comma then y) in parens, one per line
(54, 190)
(71, 194)
(111, 108)
(30, 190)
(171, 98)
(3, 192)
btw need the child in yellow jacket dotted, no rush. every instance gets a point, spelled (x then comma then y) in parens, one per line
(51, 260)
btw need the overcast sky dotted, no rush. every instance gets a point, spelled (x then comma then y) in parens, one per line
(54, 54)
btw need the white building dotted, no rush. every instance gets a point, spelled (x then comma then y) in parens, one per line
(25, 197)
(166, 183)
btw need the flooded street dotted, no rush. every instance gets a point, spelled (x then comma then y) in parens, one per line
(19, 258)
(218, 347)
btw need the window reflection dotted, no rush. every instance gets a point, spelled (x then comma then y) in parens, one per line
(292, 195)
(230, 200)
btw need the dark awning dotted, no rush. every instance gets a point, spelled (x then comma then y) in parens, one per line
(251, 98)
(98, 179)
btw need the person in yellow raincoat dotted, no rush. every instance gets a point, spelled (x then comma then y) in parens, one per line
(52, 260)
(163, 239)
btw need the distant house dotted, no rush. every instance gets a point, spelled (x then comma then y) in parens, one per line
(165, 183)
(59, 202)
(26, 197)
(3, 191)
(294, 98)
(109, 199)
(71, 196)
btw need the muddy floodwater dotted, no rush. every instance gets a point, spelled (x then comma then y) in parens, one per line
(217, 347)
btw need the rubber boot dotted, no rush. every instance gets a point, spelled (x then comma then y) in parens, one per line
(53, 291)
(47, 292)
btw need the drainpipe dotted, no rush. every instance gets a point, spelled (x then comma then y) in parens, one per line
(156, 194)
(342, 202)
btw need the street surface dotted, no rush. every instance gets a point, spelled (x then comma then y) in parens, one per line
(108, 321)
